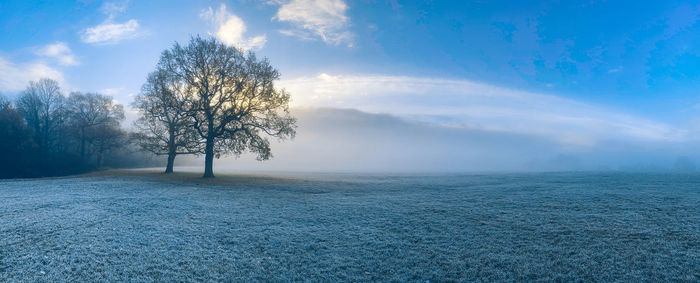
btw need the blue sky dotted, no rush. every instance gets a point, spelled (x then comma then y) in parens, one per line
(577, 72)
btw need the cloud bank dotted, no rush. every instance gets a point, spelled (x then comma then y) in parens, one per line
(471, 105)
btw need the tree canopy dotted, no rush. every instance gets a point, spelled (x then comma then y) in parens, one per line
(229, 96)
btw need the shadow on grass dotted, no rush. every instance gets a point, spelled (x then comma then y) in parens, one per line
(195, 178)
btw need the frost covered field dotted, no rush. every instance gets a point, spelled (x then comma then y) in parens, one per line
(142, 226)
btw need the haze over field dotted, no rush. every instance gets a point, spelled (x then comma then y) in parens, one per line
(407, 86)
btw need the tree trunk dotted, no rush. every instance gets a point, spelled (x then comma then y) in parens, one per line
(45, 134)
(99, 160)
(100, 157)
(82, 144)
(171, 160)
(172, 149)
(209, 159)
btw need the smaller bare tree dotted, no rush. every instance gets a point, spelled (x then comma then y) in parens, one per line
(164, 128)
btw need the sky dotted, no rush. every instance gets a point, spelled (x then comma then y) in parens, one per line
(561, 79)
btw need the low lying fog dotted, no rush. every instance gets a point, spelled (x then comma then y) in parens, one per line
(331, 139)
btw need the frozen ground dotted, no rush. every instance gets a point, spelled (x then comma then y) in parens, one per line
(139, 226)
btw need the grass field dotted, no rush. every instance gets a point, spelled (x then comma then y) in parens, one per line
(143, 226)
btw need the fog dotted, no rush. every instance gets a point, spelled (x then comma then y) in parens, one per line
(345, 140)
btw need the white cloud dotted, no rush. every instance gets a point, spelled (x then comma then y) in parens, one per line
(230, 29)
(111, 33)
(112, 91)
(615, 70)
(463, 103)
(61, 52)
(324, 19)
(15, 77)
(113, 8)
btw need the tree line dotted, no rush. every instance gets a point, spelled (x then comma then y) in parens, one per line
(211, 99)
(44, 133)
(204, 98)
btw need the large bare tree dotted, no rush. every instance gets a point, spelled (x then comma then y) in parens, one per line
(164, 128)
(231, 98)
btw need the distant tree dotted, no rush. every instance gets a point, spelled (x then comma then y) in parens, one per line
(15, 142)
(94, 120)
(41, 105)
(104, 139)
(231, 98)
(164, 128)
(3, 101)
(42, 132)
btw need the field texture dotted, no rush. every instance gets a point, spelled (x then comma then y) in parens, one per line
(142, 227)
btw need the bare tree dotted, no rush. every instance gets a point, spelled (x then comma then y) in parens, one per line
(91, 116)
(41, 104)
(164, 128)
(231, 98)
